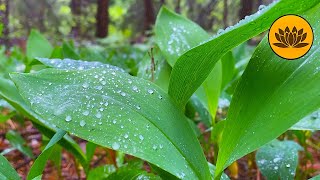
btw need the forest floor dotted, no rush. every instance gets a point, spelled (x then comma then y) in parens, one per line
(71, 170)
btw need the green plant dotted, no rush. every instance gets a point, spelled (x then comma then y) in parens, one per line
(106, 106)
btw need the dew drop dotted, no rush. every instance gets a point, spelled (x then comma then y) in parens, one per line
(115, 146)
(123, 94)
(68, 118)
(114, 121)
(154, 147)
(141, 137)
(150, 91)
(98, 115)
(126, 136)
(106, 104)
(287, 165)
(85, 85)
(82, 123)
(103, 83)
(135, 88)
(138, 107)
(160, 97)
(86, 113)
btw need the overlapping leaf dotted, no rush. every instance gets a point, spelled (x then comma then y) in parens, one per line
(272, 95)
(193, 67)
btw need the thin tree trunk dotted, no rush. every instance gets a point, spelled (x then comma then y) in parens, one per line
(102, 18)
(225, 13)
(246, 8)
(149, 15)
(76, 13)
(178, 8)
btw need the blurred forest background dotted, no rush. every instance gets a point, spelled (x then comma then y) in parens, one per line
(116, 21)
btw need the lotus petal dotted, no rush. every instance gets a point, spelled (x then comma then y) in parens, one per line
(300, 45)
(280, 45)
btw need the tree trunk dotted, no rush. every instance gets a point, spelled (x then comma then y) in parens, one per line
(102, 18)
(225, 13)
(178, 8)
(76, 13)
(149, 15)
(246, 8)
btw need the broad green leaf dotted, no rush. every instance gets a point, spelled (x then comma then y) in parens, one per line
(19, 143)
(272, 95)
(38, 46)
(193, 67)
(10, 93)
(70, 64)
(40, 163)
(124, 173)
(310, 122)
(6, 170)
(101, 172)
(175, 35)
(278, 159)
(121, 112)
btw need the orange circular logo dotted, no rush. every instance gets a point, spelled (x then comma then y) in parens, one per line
(290, 37)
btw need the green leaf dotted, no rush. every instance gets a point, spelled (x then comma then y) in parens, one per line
(213, 169)
(315, 178)
(90, 149)
(38, 46)
(278, 159)
(127, 173)
(70, 64)
(40, 163)
(101, 172)
(6, 170)
(193, 67)
(10, 93)
(175, 35)
(272, 95)
(228, 69)
(68, 51)
(19, 143)
(310, 122)
(122, 113)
